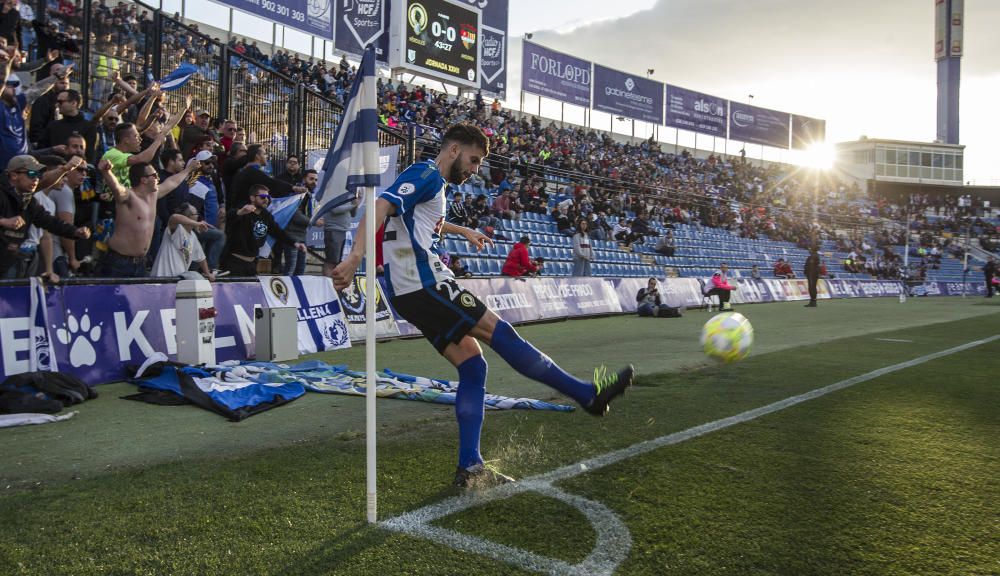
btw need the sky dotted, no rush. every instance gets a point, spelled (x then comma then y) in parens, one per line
(866, 67)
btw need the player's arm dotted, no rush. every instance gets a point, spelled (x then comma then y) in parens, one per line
(475, 237)
(343, 274)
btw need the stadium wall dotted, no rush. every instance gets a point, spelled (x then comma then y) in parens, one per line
(96, 331)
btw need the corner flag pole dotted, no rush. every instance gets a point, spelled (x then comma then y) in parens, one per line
(370, 381)
(352, 165)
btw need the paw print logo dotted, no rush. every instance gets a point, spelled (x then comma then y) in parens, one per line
(80, 336)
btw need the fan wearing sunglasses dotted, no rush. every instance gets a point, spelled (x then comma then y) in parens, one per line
(19, 210)
(135, 215)
(251, 226)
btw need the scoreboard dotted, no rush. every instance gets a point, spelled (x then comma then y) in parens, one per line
(440, 39)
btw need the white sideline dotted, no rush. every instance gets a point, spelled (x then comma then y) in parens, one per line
(613, 540)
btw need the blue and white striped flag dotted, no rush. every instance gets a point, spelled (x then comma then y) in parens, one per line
(352, 161)
(282, 209)
(178, 77)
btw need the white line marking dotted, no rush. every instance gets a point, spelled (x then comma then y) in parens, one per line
(893, 340)
(613, 539)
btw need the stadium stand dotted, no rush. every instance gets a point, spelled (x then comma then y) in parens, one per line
(718, 208)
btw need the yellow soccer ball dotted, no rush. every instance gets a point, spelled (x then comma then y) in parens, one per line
(727, 337)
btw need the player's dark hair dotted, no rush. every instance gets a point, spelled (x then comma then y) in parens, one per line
(467, 134)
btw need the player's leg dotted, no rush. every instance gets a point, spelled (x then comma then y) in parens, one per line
(532, 363)
(470, 406)
(445, 314)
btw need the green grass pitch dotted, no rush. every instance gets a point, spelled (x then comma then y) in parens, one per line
(896, 475)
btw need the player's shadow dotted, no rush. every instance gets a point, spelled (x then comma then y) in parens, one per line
(346, 552)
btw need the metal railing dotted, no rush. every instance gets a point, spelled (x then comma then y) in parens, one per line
(279, 111)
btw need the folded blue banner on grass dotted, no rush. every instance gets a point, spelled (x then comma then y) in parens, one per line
(318, 376)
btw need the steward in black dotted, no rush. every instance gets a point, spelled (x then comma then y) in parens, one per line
(812, 275)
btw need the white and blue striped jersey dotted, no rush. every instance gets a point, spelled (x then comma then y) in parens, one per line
(411, 243)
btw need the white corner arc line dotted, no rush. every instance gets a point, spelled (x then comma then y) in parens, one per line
(606, 523)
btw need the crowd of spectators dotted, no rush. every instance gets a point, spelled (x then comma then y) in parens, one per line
(213, 176)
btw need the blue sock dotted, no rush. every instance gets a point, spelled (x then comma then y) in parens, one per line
(530, 362)
(469, 409)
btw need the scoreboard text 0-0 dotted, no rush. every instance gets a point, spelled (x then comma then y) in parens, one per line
(442, 40)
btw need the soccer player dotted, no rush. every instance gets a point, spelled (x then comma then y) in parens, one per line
(424, 291)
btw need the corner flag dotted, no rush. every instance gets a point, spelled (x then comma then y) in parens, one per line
(352, 161)
(352, 164)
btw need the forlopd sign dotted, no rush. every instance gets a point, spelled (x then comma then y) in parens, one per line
(555, 75)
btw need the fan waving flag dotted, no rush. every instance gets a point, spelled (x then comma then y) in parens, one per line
(282, 209)
(178, 77)
(352, 161)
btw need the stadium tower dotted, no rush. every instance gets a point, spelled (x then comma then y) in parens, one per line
(948, 15)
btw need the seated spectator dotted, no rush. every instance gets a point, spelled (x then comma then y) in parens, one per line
(640, 229)
(457, 268)
(457, 213)
(180, 247)
(563, 222)
(665, 244)
(599, 229)
(518, 262)
(503, 208)
(482, 215)
(755, 272)
(719, 286)
(621, 232)
(783, 269)
(651, 305)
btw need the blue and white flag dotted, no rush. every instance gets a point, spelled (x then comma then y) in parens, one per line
(352, 161)
(321, 321)
(282, 209)
(42, 354)
(178, 77)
